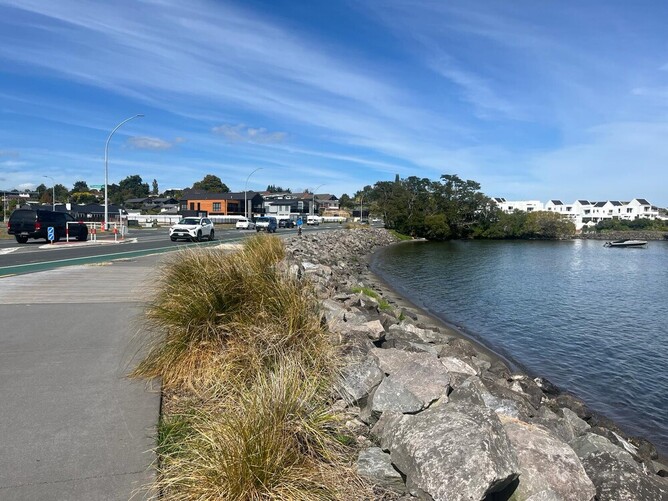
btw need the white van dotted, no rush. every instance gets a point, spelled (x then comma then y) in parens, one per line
(313, 220)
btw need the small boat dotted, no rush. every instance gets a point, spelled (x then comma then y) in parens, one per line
(626, 243)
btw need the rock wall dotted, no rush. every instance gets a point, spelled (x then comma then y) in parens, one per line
(437, 418)
(621, 235)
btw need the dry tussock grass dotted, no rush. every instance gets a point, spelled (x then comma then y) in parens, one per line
(241, 343)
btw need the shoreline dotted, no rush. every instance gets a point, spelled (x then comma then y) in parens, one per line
(395, 296)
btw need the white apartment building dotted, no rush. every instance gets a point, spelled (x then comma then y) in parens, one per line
(584, 212)
(521, 205)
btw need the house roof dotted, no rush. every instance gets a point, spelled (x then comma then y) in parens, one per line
(642, 201)
(499, 200)
(616, 203)
(599, 204)
(557, 202)
(207, 195)
(584, 202)
(136, 200)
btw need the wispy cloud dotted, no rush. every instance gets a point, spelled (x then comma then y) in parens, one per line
(243, 133)
(152, 143)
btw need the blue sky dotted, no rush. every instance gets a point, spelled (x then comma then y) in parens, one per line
(534, 100)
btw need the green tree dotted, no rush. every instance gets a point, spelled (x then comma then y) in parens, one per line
(345, 202)
(272, 188)
(212, 184)
(80, 187)
(547, 225)
(154, 188)
(133, 187)
(40, 190)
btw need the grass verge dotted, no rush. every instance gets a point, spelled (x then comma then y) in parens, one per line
(247, 375)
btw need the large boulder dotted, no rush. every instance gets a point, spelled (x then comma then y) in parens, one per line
(546, 464)
(615, 474)
(357, 380)
(452, 451)
(375, 465)
(411, 388)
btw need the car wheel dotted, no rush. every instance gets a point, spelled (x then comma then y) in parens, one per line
(83, 236)
(56, 237)
(199, 236)
(211, 235)
(173, 239)
(21, 240)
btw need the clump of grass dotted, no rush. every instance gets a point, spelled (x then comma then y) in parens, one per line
(273, 440)
(382, 302)
(241, 351)
(400, 236)
(216, 314)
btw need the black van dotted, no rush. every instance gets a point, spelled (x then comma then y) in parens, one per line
(29, 223)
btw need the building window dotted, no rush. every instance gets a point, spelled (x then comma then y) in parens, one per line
(192, 205)
(216, 207)
(629, 210)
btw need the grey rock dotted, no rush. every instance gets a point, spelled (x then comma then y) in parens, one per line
(373, 329)
(376, 465)
(546, 495)
(580, 427)
(453, 364)
(393, 360)
(590, 444)
(357, 380)
(546, 463)
(618, 480)
(410, 389)
(453, 451)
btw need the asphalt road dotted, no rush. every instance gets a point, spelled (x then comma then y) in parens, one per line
(37, 255)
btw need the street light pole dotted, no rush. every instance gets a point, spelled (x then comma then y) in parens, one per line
(313, 203)
(106, 170)
(53, 193)
(361, 213)
(245, 187)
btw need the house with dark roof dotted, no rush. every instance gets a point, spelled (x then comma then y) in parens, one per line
(222, 204)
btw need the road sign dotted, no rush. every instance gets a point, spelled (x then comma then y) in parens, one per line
(96, 186)
(50, 233)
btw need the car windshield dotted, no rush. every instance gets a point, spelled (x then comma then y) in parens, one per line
(189, 220)
(263, 220)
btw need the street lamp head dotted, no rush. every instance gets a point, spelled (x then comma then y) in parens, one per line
(141, 115)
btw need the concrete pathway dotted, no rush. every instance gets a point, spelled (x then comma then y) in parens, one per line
(72, 426)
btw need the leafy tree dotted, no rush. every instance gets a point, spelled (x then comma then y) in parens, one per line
(212, 184)
(345, 202)
(80, 187)
(40, 190)
(154, 188)
(548, 225)
(82, 197)
(133, 187)
(62, 194)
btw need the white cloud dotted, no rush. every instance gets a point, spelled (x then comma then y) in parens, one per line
(243, 133)
(152, 143)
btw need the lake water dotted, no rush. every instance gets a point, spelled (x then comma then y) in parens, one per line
(592, 320)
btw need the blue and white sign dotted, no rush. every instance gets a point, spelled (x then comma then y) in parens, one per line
(50, 234)
(299, 221)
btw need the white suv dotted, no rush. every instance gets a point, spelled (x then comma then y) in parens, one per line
(192, 228)
(245, 224)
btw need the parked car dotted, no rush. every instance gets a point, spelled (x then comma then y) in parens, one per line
(286, 223)
(29, 223)
(193, 229)
(245, 224)
(267, 224)
(313, 220)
